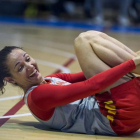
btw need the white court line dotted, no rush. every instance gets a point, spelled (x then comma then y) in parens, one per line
(51, 50)
(17, 42)
(55, 51)
(10, 98)
(14, 116)
(54, 65)
(31, 40)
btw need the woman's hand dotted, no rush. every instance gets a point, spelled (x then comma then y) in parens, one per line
(138, 52)
(137, 59)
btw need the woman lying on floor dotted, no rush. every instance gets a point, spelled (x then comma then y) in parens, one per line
(99, 100)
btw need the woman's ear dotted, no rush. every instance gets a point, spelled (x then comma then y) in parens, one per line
(9, 80)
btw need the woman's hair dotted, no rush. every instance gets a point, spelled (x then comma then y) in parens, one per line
(4, 71)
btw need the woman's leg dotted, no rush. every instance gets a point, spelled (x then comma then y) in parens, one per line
(118, 43)
(106, 49)
(96, 55)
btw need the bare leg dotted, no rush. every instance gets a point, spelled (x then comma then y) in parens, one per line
(113, 52)
(118, 43)
(96, 54)
(107, 49)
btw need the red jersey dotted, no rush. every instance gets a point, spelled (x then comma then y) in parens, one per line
(43, 99)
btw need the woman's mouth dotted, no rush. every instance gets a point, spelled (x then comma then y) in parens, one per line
(34, 73)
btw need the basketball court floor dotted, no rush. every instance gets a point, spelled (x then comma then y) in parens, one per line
(52, 47)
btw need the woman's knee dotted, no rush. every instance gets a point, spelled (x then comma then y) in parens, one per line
(89, 36)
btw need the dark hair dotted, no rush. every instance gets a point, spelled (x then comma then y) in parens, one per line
(4, 71)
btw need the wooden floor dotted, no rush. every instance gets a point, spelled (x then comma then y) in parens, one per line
(53, 49)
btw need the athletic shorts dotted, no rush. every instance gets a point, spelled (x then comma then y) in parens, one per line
(122, 106)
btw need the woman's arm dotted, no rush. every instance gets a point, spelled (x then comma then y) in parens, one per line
(46, 97)
(70, 77)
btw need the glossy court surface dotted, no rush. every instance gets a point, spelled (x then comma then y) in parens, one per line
(52, 47)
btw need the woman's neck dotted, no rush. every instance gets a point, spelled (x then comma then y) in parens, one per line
(27, 88)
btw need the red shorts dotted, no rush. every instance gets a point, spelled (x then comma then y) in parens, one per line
(122, 106)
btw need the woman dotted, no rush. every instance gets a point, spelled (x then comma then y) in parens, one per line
(66, 101)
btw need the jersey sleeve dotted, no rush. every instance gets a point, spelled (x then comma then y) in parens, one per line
(46, 97)
(70, 77)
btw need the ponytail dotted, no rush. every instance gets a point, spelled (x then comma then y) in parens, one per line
(4, 71)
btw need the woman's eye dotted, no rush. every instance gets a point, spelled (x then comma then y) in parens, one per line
(20, 68)
(28, 59)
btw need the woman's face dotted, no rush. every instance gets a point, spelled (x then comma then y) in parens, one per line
(23, 68)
